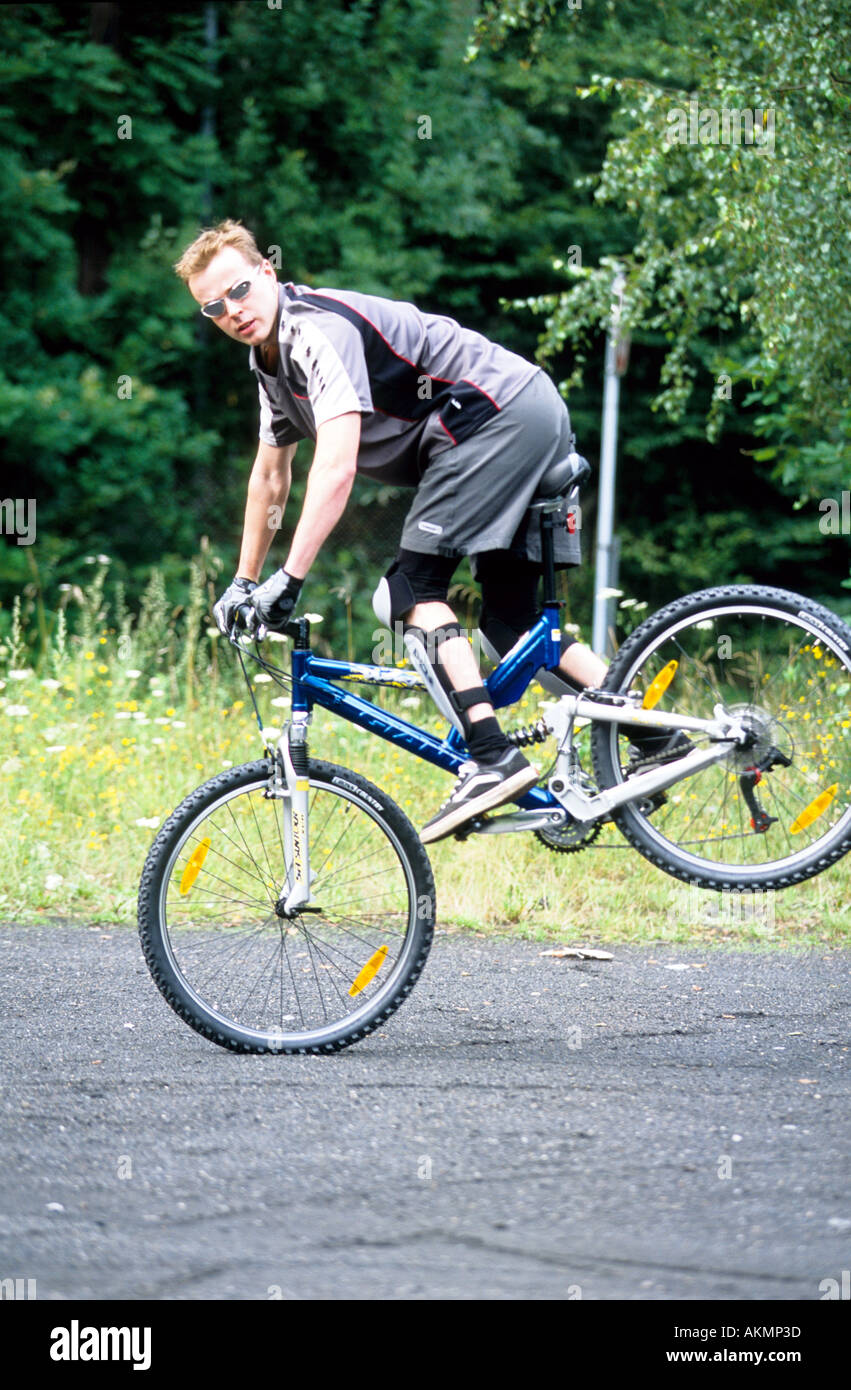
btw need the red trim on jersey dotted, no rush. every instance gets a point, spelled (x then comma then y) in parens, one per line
(483, 391)
(449, 381)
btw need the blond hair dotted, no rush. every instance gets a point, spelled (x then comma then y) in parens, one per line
(210, 242)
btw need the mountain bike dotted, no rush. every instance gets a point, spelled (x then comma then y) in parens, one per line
(288, 905)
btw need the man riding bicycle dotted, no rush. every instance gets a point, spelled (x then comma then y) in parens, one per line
(414, 399)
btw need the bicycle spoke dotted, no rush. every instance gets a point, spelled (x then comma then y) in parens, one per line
(288, 976)
(772, 670)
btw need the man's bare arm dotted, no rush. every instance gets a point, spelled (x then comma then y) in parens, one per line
(268, 486)
(329, 483)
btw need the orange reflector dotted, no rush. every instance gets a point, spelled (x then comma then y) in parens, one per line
(371, 968)
(193, 868)
(659, 685)
(814, 810)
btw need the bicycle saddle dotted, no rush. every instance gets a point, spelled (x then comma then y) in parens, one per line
(561, 477)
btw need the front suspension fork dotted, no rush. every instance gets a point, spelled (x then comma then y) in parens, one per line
(290, 784)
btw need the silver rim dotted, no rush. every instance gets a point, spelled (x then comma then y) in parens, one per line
(824, 638)
(273, 1038)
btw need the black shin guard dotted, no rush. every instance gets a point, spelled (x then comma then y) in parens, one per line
(424, 650)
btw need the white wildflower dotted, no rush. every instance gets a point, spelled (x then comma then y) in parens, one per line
(21, 675)
(16, 711)
(53, 881)
(261, 677)
(150, 823)
(52, 684)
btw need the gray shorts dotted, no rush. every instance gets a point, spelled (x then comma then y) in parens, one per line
(474, 497)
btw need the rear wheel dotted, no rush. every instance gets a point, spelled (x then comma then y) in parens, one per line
(229, 961)
(777, 811)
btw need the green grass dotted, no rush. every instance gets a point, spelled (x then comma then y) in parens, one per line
(101, 750)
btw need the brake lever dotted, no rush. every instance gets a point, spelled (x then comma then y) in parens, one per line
(251, 629)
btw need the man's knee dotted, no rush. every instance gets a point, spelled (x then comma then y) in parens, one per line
(412, 579)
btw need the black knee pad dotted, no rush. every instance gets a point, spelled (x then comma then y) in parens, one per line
(414, 577)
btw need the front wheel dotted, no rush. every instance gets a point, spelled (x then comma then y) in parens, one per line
(239, 971)
(778, 810)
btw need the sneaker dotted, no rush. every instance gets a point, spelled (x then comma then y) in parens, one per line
(480, 787)
(656, 749)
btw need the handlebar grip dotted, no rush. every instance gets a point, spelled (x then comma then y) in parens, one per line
(245, 618)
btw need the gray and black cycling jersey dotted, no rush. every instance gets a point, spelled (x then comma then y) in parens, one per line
(421, 382)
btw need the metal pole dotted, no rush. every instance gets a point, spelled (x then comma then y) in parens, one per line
(604, 558)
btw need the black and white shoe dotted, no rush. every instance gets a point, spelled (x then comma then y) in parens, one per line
(481, 787)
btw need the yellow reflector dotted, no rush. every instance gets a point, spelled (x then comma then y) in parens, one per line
(659, 685)
(371, 968)
(814, 810)
(302, 784)
(193, 868)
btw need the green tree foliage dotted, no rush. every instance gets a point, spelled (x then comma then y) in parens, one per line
(748, 233)
(359, 148)
(356, 142)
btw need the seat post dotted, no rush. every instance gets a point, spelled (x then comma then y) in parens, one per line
(561, 482)
(547, 560)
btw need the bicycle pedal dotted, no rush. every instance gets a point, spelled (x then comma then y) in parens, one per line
(470, 827)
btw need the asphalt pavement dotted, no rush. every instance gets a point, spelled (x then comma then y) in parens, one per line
(671, 1124)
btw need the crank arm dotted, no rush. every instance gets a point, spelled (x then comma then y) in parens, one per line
(515, 821)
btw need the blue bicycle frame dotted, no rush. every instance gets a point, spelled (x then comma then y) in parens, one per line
(313, 675)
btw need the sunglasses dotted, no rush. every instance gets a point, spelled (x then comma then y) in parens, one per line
(217, 307)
